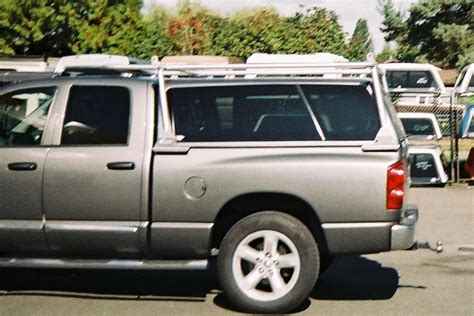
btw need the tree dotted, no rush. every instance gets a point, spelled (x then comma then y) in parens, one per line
(62, 27)
(105, 26)
(157, 38)
(387, 54)
(440, 31)
(360, 44)
(263, 30)
(315, 30)
(191, 30)
(33, 27)
(248, 32)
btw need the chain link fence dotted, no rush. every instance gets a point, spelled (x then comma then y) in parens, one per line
(449, 115)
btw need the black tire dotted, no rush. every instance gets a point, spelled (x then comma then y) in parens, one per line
(298, 280)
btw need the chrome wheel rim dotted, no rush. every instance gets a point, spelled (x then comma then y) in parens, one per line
(266, 265)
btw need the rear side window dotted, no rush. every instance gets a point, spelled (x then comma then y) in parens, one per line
(344, 112)
(241, 113)
(96, 115)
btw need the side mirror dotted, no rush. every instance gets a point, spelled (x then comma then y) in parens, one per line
(78, 127)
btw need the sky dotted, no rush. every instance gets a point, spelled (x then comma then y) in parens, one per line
(348, 11)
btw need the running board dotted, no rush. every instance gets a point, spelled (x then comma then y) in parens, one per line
(104, 264)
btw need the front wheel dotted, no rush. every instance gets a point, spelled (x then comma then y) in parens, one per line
(268, 263)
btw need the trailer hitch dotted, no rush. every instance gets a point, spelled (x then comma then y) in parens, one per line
(426, 245)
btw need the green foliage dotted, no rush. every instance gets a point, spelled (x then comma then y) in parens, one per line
(360, 44)
(316, 30)
(195, 30)
(33, 27)
(156, 38)
(107, 26)
(393, 24)
(191, 30)
(386, 55)
(440, 31)
(246, 33)
(63, 27)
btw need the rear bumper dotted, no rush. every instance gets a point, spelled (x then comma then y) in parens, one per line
(373, 237)
(403, 234)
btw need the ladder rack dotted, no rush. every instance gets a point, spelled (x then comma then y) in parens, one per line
(176, 71)
(173, 71)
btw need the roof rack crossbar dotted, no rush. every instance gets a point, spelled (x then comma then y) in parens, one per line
(174, 66)
(358, 65)
(272, 72)
(281, 69)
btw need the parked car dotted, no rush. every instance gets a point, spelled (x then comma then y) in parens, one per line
(272, 174)
(427, 166)
(420, 126)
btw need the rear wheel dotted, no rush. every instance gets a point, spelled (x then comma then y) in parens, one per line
(268, 263)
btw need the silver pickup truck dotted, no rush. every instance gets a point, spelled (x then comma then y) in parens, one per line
(274, 170)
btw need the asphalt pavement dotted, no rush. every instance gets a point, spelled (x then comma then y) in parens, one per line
(417, 282)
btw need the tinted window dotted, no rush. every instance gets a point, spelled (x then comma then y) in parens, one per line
(241, 113)
(423, 166)
(410, 79)
(344, 112)
(397, 79)
(23, 116)
(97, 115)
(418, 126)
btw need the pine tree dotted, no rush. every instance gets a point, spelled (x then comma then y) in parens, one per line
(360, 44)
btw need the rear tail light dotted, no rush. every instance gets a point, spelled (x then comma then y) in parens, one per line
(396, 177)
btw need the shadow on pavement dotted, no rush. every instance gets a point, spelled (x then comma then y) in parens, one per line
(356, 278)
(349, 278)
(110, 284)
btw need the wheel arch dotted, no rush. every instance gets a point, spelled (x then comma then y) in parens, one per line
(251, 203)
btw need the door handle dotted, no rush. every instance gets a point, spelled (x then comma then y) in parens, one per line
(22, 166)
(121, 165)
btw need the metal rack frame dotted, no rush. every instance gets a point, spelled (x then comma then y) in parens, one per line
(231, 70)
(174, 71)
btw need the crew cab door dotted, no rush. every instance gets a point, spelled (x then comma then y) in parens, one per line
(24, 138)
(93, 180)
